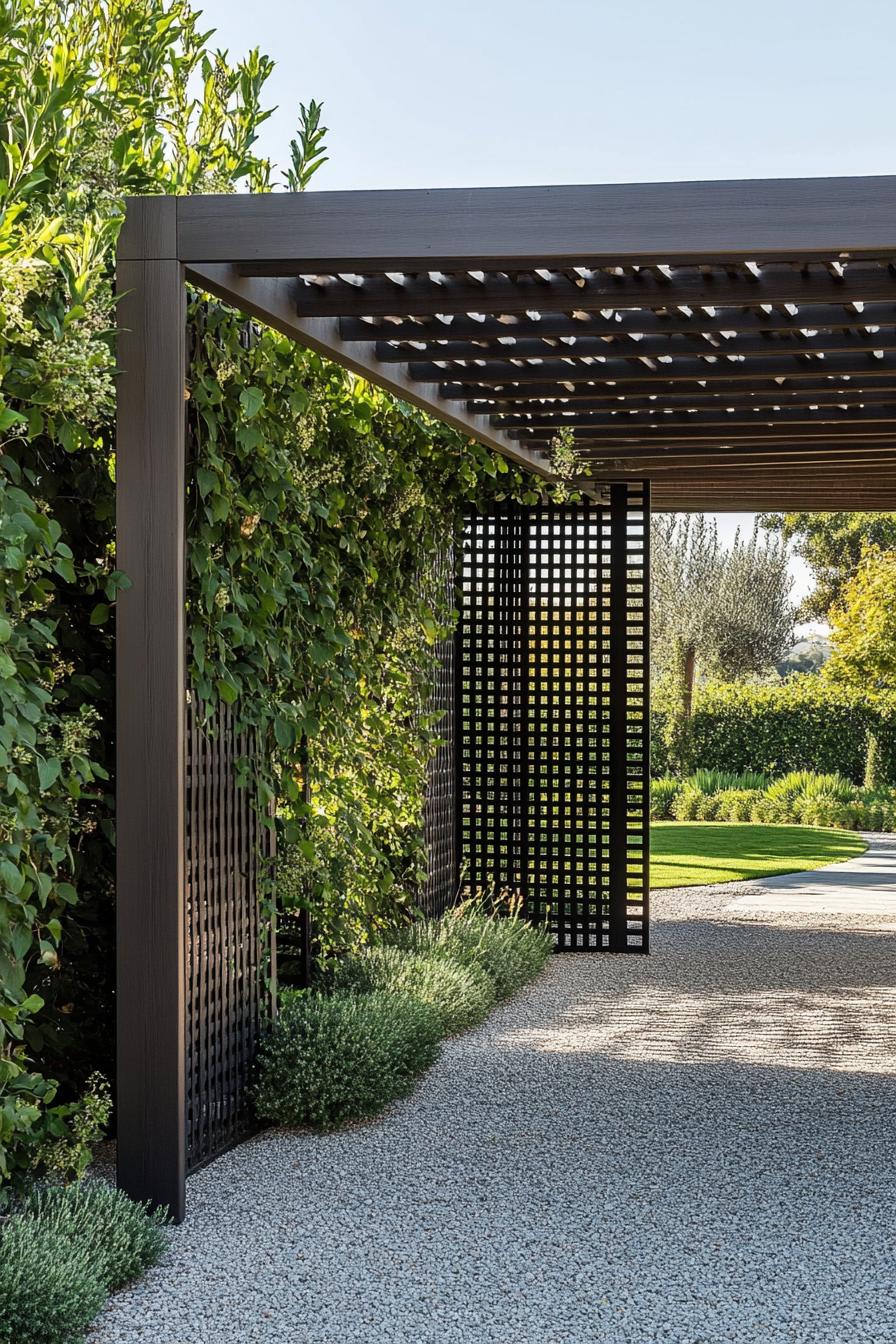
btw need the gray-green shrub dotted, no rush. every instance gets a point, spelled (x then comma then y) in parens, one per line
(120, 1238)
(510, 950)
(49, 1289)
(462, 996)
(333, 1058)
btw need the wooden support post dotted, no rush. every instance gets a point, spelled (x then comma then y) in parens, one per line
(151, 708)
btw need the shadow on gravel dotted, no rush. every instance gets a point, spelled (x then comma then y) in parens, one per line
(741, 991)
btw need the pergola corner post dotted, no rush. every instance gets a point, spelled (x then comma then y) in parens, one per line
(150, 713)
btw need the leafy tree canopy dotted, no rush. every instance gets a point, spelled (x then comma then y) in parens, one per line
(831, 544)
(863, 625)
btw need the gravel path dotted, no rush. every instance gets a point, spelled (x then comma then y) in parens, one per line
(698, 1146)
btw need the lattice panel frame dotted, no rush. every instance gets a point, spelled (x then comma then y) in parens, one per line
(492, 708)
(227, 942)
(553, 721)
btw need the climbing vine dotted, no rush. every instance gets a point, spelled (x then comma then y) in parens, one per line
(320, 509)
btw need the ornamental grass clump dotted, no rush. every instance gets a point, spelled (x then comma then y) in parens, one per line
(462, 996)
(663, 793)
(507, 948)
(719, 781)
(334, 1058)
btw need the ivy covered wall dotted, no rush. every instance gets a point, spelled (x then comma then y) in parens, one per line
(317, 509)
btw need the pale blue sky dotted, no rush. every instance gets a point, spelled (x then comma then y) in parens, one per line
(477, 92)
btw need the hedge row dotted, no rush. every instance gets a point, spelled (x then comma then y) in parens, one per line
(803, 723)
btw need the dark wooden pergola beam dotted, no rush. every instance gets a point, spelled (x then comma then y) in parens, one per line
(646, 385)
(616, 370)
(658, 420)
(620, 322)
(588, 399)
(651, 347)
(750, 463)
(518, 227)
(376, 296)
(695, 498)
(672, 438)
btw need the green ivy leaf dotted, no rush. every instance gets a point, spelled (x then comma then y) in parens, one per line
(251, 401)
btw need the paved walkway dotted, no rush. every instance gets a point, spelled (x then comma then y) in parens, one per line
(696, 1147)
(864, 885)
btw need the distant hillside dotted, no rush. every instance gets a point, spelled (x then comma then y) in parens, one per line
(807, 655)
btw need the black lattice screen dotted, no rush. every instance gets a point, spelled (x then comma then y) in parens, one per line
(553, 714)
(440, 830)
(439, 818)
(227, 849)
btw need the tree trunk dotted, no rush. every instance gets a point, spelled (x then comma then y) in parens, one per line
(689, 667)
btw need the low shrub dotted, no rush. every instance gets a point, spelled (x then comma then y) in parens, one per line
(737, 804)
(506, 947)
(461, 995)
(63, 1251)
(688, 802)
(122, 1239)
(49, 1289)
(333, 1058)
(663, 793)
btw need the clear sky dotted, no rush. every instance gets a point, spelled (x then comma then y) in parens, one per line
(504, 92)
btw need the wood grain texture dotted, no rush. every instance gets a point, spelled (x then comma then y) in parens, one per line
(544, 226)
(149, 231)
(150, 682)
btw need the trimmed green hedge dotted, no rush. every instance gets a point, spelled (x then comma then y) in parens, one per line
(803, 723)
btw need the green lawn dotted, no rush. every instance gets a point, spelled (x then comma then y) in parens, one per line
(687, 853)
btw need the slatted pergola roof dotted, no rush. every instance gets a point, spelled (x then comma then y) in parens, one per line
(735, 342)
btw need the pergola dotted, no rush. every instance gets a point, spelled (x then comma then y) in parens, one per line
(731, 343)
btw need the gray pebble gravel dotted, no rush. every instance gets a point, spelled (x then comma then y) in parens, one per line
(695, 1147)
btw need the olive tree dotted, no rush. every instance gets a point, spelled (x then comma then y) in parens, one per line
(717, 611)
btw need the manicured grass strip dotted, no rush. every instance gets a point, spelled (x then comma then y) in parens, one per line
(689, 853)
